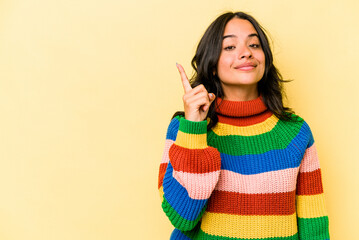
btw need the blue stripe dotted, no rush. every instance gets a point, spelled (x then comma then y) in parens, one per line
(258, 163)
(177, 196)
(272, 160)
(178, 235)
(304, 139)
(173, 129)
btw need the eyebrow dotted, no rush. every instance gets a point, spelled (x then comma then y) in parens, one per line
(235, 36)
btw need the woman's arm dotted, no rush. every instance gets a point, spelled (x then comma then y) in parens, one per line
(312, 216)
(189, 171)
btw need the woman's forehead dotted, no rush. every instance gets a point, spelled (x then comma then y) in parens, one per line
(237, 27)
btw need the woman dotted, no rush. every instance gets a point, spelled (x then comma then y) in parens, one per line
(237, 163)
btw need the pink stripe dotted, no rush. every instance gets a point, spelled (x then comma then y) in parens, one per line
(198, 185)
(268, 182)
(310, 160)
(165, 157)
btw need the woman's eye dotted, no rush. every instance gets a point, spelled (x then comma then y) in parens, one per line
(255, 45)
(229, 48)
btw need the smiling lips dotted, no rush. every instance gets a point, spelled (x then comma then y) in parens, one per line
(245, 66)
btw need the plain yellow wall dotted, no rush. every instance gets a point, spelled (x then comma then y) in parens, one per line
(87, 89)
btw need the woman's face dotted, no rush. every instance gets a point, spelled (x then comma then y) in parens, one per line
(242, 60)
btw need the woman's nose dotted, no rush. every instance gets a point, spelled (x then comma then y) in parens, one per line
(245, 52)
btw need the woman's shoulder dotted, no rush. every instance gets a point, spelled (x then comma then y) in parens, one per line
(299, 125)
(292, 119)
(173, 126)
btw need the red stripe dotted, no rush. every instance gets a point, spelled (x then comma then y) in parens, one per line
(194, 160)
(245, 121)
(240, 108)
(309, 183)
(252, 204)
(161, 175)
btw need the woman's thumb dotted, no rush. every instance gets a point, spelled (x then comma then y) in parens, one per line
(211, 97)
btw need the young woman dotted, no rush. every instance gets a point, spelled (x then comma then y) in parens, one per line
(238, 164)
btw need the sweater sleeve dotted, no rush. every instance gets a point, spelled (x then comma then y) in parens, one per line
(312, 217)
(188, 173)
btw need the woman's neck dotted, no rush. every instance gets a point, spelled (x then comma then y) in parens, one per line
(240, 93)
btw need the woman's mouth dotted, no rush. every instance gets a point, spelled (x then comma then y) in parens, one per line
(245, 66)
(248, 68)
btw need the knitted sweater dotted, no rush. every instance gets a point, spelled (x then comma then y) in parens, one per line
(252, 176)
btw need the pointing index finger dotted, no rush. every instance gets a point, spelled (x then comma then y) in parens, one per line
(186, 85)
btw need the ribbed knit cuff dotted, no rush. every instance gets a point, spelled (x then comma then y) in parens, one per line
(192, 127)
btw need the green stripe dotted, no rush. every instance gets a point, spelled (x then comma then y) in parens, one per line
(204, 236)
(313, 228)
(278, 138)
(187, 126)
(177, 220)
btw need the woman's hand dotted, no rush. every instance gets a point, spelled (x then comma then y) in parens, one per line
(196, 100)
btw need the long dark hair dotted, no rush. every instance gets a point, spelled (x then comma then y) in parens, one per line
(205, 62)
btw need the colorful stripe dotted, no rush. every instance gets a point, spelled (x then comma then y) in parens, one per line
(313, 228)
(161, 175)
(191, 141)
(267, 182)
(273, 160)
(282, 203)
(165, 157)
(205, 236)
(311, 206)
(173, 128)
(199, 186)
(222, 129)
(191, 127)
(194, 160)
(239, 226)
(164, 162)
(310, 160)
(245, 121)
(280, 137)
(310, 183)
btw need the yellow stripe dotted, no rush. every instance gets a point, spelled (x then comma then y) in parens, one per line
(191, 141)
(241, 226)
(161, 193)
(311, 206)
(223, 129)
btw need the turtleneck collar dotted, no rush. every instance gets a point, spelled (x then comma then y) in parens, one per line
(240, 108)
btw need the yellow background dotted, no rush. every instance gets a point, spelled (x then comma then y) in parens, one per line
(87, 89)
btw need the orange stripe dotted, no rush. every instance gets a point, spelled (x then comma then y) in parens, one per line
(309, 183)
(245, 121)
(194, 160)
(252, 204)
(161, 175)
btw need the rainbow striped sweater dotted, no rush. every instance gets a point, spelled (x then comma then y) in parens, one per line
(252, 176)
